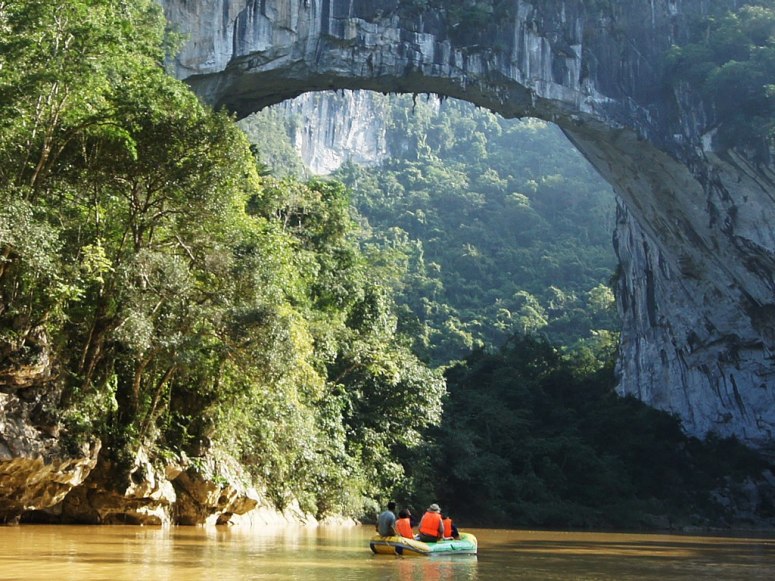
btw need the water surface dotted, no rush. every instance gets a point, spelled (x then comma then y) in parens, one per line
(118, 553)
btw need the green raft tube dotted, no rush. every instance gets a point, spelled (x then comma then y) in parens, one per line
(464, 545)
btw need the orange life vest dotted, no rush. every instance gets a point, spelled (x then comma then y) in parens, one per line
(404, 527)
(447, 527)
(429, 525)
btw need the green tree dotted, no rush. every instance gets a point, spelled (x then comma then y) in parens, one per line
(188, 303)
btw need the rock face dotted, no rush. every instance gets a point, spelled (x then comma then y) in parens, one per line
(47, 476)
(150, 492)
(37, 469)
(694, 236)
(329, 130)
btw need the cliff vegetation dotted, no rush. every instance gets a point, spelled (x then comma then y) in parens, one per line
(502, 235)
(729, 60)
(161, 291)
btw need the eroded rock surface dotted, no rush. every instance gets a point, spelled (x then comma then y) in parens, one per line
(196, 491)
(37, 468)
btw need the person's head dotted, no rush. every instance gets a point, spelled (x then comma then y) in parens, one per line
(404, 514)
(434, 508)
(391, 505)
(444, 515)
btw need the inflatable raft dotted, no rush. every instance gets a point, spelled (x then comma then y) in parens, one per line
(464, 545)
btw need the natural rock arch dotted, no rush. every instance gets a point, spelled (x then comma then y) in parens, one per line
(697, 253)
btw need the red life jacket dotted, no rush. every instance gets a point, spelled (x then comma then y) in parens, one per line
(447, 527)
(429, 525)
(404, 528)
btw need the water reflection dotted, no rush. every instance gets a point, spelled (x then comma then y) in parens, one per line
(293, 553)
(542, 555)
(454, 568)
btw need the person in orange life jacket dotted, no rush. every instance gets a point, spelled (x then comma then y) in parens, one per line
(450, 530)
(431, 527)
(404, 524)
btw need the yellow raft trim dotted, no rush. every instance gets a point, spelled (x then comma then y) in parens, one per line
(465, 545)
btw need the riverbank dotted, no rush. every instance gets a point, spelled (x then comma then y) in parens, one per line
(52, 485)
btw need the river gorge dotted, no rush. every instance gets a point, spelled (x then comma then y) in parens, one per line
(184, 340)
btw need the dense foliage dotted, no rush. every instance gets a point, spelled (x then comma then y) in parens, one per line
(730, 60)
(504, 228)
(531, 439)
(163, 295)
(477, 212)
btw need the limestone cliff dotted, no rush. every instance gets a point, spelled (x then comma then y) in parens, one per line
(331, 129)
(694, 236)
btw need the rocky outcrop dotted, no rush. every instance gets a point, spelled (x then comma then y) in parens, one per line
(212, 492)
(143, 496)
(696, 292)
(186, 491)
(28, 366)
(38, 468)
(48, 475)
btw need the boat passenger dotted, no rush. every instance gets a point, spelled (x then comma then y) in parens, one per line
(404, 524)
(386, 521)
(450, 529)
(431, 527)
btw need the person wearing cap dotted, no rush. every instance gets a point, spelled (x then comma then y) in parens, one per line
(431, 526)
